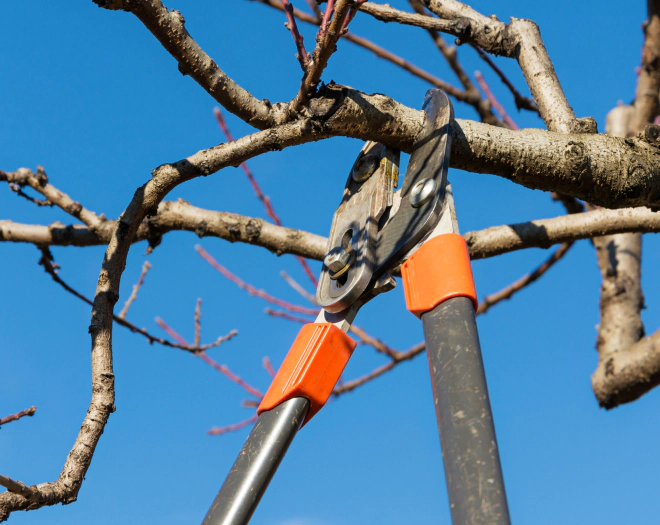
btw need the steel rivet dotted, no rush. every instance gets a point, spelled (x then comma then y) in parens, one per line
(422, 192)
(365, 167)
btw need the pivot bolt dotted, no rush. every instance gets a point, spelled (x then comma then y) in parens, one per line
(422, 192)
(338, 261)
(365, 167)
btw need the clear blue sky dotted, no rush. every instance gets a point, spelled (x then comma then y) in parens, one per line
(92, 96)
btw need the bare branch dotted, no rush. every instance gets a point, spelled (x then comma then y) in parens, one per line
(520, 39)
(39, 182)
(262, 294)
(265, 200)
(625, 369)
(136, 288)
(51, 269)
(383, 53)
(521, 101)
(18, 415)
(16, 487)
(298, 288)
(217, 431)
(326, 45)
(400, 357)
(302, 56)
(493, 100)
(482, 106)
(506, 293)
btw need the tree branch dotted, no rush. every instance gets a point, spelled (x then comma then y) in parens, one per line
(520, 39)
(18, 415)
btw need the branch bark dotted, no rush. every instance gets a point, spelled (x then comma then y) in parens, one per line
(628, 366)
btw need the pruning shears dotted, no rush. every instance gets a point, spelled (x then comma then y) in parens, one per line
(375, 231)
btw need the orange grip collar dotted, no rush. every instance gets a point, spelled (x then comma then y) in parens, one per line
(437, 271)
(312, 367)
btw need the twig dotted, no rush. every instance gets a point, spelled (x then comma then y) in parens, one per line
(262, 294)
(223, 369)
(298, 288)
(217, 431)
(383, 53)
(506, 293)
(288, 317)
(51, 269)
(39, 182)
(401, 356)
(265, 199)
(315, 8)
(198, 322)
(18, 415)
(17, 487)
(136, 288)
(302, 55)
(369, 340)
(521, 101)
(472, 95)
(39, 202)
(325, 23)
(268, 366)
(493, 100)
(326, 45)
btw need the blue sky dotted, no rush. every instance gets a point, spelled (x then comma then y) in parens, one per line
(93, 97)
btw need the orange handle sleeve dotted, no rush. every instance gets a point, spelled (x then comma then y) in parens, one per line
(312, 367)
(439, 270)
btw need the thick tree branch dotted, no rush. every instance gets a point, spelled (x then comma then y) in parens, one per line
(490, 242)
(628, 366)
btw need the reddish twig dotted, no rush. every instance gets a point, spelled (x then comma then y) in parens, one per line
(493, 100)
(136, 288)
(217, 431)
(520, 101)
(268, 366)
(351, 14)
(302, 55)
(325, 23)
(288, 317)
(223, 369)
(198, 322)
(298, 288)
(383, 53)
(18, 415)
(262, 294)
(265, 200)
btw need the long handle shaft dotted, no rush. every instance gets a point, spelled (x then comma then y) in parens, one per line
(465, 421)
(257, 462)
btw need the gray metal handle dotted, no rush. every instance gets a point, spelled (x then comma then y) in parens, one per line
(467, 434)
(257, 462)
